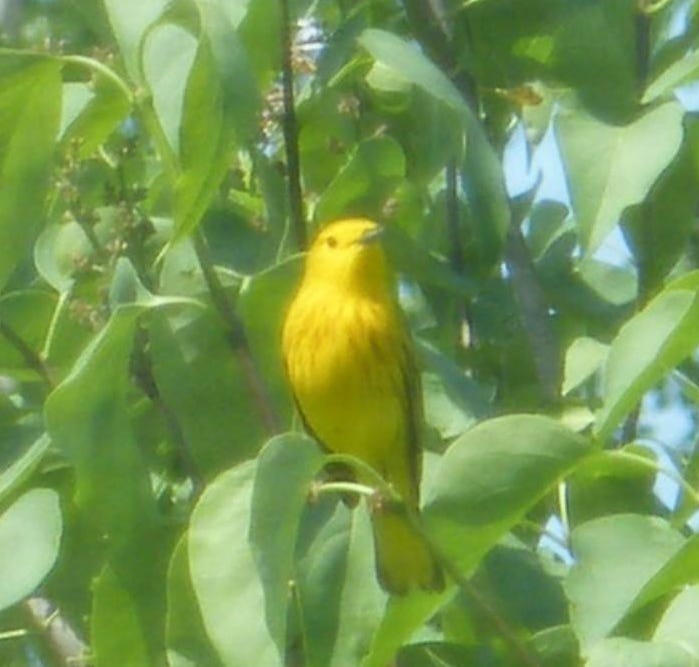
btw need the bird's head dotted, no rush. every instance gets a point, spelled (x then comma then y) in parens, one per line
(348, 254)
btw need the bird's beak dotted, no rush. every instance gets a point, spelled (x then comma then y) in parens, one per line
(371, 235)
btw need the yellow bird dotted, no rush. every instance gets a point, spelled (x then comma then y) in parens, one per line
(350, 363)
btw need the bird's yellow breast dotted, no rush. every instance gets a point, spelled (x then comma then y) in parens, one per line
(343, 361)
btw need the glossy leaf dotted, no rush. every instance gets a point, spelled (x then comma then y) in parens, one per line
(483, 485)
(584, 357)
(611, 167)
(186, 638)
(650, 343)
(285, 468)
(30, 534)
(604, 583)
(130, 20)
(622, 652)
(414, 66)
(223, 570)
(91, 114)
(678, 622)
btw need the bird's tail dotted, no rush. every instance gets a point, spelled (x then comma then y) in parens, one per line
(403, 558)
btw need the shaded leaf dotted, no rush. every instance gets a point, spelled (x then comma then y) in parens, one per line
(483, 485)
(30, 108)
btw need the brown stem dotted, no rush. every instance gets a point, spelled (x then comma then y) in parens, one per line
(530, 296)
(142, 366)
(518, 649)
(31, 358)
(63, 647)
(534, 309)
(237, 338)
(291, 135)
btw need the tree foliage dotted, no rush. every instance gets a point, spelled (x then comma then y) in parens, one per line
(536, 165)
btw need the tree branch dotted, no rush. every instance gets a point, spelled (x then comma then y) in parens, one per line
(63, 646)
(237, 338)
(425, 22)
(535, 313)
(291, 135)
(31, 358)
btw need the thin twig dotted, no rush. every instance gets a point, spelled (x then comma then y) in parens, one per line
(499, 624)
(142, 366)
(291, 134)
(398, 504)
(237, 338)
(456, 251)
(426, 23)
(534, 310)
(31, 358)
(62, 644)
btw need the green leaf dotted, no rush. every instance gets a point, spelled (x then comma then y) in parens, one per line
(483, 485)
(490, 476)
(220, 105)
(673, 200)
(340, 602)
(584, 357)
(30, 535)
(15, 472)
(647, 346)
(117, 634)
(605, 582)
(263, 302)
(593, 37)
(483, 178)
(285, 468)
(616, 285)
(30, 108)
(681, 71)
(224, 574)
(612, 483)
(678, 623)
(168, 56)
(186, 637)
(484, 183)
(321, 579)
(363, 183)
(611, 167)
(58, 252)
(410, 257)
(28, 314)
(362, 602)
(130, 20)
(88, 418)
(399, 55)
(91, 112)
(623, 652)
(202, 381)
(556, 647)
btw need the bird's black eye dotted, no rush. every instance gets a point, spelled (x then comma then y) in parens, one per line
(331, 241)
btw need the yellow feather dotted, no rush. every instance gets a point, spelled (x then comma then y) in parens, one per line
(350, 364)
